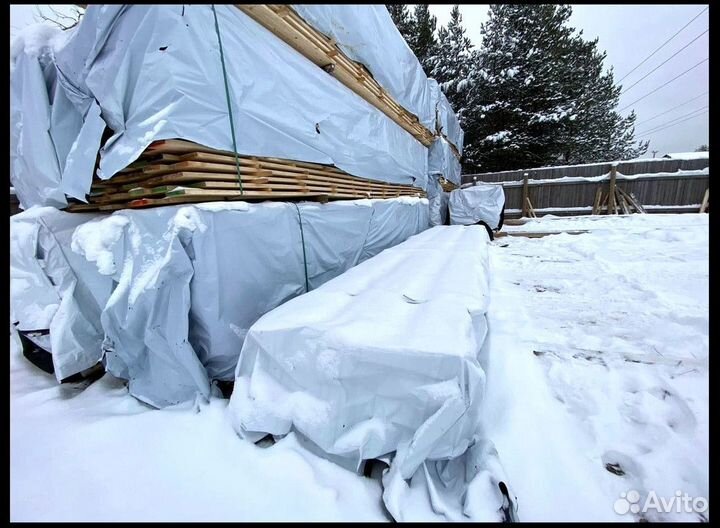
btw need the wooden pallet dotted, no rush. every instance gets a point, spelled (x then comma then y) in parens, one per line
(176, 171)
(290, 27)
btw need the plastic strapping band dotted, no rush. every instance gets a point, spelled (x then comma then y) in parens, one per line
(227, 98)
(302, 238)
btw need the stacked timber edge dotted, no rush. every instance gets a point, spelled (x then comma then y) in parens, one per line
(175, 171)
(290, 27)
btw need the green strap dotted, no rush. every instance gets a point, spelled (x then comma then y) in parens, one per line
(227, 98)
(302, 238)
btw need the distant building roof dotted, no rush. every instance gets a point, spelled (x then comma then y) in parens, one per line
(688, 155)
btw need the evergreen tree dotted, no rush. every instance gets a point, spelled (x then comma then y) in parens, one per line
(702, 148)
(422, 41)
(403, 20)
(538, 95)
(452, 62)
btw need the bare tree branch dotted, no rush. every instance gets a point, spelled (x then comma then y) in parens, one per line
(64, 21)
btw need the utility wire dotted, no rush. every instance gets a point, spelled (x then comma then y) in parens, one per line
(658, 66)
(648, 134)
(663, 85)
(663, 44)
(673, 108)
(652, 128)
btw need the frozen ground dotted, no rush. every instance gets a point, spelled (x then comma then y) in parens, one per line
(598, 357)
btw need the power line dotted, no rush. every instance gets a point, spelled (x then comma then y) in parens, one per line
(663, 44)
(663, 85)
(658, 66)
(673, 108)
(648, 134)
(652, 129)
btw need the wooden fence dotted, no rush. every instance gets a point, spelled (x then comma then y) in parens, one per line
(662, 185)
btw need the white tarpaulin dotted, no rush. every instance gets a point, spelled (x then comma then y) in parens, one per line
(442, 160)
(53, 288)
(446, 120)
(479, 202)
(383, 359)
(191, 280)
(438, 201)
(368, 35)
(152, 72)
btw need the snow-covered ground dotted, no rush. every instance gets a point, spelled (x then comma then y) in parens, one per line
(598, 358)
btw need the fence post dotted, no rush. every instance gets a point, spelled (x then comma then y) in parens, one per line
(525, 195)
(611, 198)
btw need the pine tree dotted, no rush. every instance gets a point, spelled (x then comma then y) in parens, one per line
(538, 95)
(403, 20)
(702, 148)
(422, 41)
(452, 62)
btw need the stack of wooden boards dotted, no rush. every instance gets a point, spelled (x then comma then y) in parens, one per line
(290, 27)
(172, 172)
(616, 201)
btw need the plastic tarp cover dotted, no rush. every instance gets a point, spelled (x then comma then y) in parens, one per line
(53, 288)
(479, 202)
(191, 280)
(34, 169)
(368, 35)
(446, 121)
(438, 202)
(167, 82)
(382, 359)
(442, 160)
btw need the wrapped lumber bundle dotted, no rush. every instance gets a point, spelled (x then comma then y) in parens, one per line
(478, 203)
(384, 361)
(336, 87)
(165, 296)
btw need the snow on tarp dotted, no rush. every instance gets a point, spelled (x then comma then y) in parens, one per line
(442, 160)
(367, 34)
(53, 288)
(471, 205)
(154, 72)
(192, 279)
(382, 359)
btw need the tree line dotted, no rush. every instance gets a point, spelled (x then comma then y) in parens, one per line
(533, 94)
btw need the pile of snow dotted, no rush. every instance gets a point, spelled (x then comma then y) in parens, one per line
(598, 374)
(688, 155)
(37, 40)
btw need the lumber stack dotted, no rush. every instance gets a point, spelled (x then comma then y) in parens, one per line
(616, 201)
(173, 172)
(286, 24)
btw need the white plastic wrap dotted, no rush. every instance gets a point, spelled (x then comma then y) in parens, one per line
(442, 160)
(438, 201)
(382, 359)
(446, 120)
(53, 288)
(368, 35)
(192, 279)
(479, 202)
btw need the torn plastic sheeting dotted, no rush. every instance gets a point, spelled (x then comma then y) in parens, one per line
(438, 201)
(192, 279)
(446, 121)
(53, 288)
(382, 359)
(167, 82)
(441, 159)
(476, 203)
(367, 34)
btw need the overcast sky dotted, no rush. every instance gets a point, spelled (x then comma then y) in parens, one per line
(629, 33)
